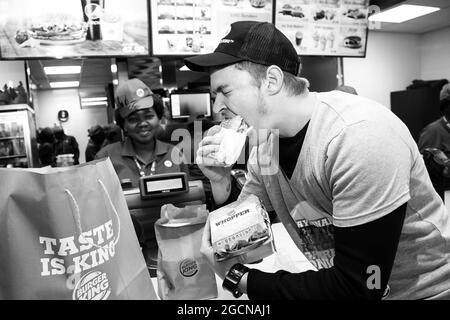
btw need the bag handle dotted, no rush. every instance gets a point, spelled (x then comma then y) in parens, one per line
(77, 217)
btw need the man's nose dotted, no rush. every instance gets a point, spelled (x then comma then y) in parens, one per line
(218, 105)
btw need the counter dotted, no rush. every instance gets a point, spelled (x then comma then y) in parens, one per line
(288, 257)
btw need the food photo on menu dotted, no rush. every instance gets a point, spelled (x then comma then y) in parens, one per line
(51, 28)
(253, 3)
(354, 13)
(352, 39)
(354, 20)
(293, 11)
(181, 27)
(324, 39)
(324, 27)
(325, 15)
(229, 11)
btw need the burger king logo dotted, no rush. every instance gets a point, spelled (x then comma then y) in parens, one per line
(188, 267)
(93, 286)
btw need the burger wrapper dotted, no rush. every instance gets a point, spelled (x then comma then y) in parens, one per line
(242, 228)
(231, 146)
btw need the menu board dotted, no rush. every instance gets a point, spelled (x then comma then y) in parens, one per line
(73, 28)
(185, 27)
(325, 27)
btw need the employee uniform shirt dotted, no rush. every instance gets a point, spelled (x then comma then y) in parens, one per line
(167, 158)
(358, 163)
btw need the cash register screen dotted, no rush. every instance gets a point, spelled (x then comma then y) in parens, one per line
(164, 185)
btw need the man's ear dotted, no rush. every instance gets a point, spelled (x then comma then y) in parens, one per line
(274, 80)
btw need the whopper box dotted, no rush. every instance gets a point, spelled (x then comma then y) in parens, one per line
(242, 227)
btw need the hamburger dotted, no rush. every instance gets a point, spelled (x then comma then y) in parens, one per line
(286, 9)
(297, 12)
(258, 3)
(241, 227)
(58, 32)
(352, 42)
(234, 132)
(355, 14)
(166, 29)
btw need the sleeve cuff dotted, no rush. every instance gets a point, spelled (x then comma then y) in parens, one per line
(260, 284)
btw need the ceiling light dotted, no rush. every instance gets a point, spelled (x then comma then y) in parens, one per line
(65, 84)
(91, 104)
(94, 99)
(402, 13)
(62, 70)
(114, 68)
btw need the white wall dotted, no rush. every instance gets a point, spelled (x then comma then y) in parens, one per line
(435, 55)
(49, 102)
(12, 70)
(392, 62)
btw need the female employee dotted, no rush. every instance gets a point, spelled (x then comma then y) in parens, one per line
(139, 113)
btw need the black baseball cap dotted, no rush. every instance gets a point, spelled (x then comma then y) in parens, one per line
(258, 42)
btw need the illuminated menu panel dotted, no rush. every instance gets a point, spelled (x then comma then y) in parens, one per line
(184, 27)
(73, 28)
(324, 27)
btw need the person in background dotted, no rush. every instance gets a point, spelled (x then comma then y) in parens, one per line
(46, 147)
(139, 113)
(437, 134)
(21, 94)
(372, 211)
(97, 137)
(347, 89)
(113, 134)
(10, 92)
(434, 144)
(66, 144)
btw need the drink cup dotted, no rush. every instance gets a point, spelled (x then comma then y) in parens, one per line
(298, 38)
(112, 27)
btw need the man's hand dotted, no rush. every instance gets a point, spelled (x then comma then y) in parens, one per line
(222, 267)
